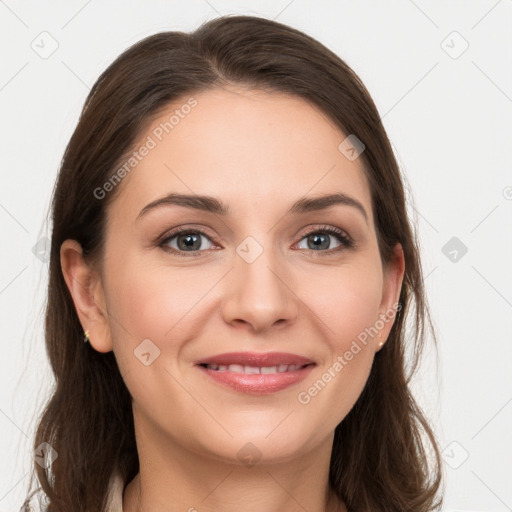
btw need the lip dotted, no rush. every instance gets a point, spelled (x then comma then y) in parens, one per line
(256, 359)
(257, 384)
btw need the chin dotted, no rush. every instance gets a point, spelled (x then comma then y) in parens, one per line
(253, 445)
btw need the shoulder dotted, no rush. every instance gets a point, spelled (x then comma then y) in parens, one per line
(38, 501)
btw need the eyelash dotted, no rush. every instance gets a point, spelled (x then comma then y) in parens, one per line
(345, 241)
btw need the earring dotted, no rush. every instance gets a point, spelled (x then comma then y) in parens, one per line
(86, 337)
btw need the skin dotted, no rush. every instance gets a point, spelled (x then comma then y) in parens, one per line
(271, 150)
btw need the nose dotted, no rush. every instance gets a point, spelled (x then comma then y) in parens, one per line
(260, 294)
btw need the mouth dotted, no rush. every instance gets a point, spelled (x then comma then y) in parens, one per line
(253, 370)
(256, 373)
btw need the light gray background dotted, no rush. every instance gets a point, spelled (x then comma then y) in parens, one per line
(447, 111)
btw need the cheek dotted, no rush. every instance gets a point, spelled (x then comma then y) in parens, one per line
(349, 309)
(153, 302)
(347, 301)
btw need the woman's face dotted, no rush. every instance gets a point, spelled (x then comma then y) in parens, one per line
(284, 310)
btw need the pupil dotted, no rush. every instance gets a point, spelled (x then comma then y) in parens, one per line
(320, 241)
(186, 242)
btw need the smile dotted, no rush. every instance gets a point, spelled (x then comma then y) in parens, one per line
(256, 373)
(253, 370)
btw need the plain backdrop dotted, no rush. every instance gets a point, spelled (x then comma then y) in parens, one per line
(441, 76)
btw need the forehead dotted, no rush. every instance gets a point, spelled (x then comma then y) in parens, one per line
(252, 148)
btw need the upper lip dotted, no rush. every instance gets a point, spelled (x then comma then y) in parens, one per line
(256, 359)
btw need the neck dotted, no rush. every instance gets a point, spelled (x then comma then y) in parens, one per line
(194, 482)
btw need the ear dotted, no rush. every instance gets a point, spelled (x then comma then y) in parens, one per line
(86, 289)
(392, 285)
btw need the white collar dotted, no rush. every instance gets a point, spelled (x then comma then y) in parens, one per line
(115, 494)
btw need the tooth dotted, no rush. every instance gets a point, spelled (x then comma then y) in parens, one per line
(254, 370)
(251, 370)
(238, 368)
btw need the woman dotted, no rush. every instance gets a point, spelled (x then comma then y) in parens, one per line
(230, 239)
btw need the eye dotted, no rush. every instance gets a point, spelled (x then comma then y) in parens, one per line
(320, 240)
(191, 242)
(185, 240)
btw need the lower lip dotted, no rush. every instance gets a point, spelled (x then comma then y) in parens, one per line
(258, 384)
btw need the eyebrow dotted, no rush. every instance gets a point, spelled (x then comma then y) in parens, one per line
(217, 207)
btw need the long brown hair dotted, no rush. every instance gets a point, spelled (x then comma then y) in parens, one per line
(385, 455)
